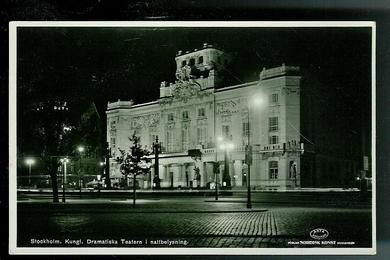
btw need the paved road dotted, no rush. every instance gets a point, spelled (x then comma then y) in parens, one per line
(200, 222)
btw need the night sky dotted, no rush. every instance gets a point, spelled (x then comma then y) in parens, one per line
(79, 65)
(118, 62)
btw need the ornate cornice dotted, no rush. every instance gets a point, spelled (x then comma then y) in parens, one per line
(184, 91)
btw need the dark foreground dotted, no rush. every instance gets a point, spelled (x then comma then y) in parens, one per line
(275, 220)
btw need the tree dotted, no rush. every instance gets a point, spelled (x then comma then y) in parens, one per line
(134, 162)
(54, 134)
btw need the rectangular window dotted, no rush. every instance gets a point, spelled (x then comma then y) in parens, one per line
(273, 123)
(185, 139)
(185, 114)
(112, 144)
(245, 129)
(201, 135)
(273, 170)
(226, 131)
(112, 124)
(170, 141)
(273, 139)
(274, 98)
(170, 117)
(201, 112)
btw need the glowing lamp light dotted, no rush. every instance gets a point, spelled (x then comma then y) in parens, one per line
(220, 138)
(64, 160)
(30, 161)
(258, 101)
(230, 146)
(80, 149)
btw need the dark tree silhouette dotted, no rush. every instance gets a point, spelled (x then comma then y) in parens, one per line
(134, 162)
(55, 135)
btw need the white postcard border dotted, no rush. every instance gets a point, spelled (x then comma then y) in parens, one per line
(14, 249)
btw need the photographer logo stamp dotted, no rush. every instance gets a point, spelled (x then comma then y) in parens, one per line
(319, 233)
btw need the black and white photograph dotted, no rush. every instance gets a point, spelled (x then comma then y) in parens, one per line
(192, 138)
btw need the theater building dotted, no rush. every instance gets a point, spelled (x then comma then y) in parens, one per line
(196, 112)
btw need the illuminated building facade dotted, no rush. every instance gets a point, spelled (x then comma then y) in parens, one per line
(196, 112)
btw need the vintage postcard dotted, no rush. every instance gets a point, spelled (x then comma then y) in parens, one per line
(236, 138)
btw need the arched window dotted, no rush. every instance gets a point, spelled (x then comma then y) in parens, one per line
(192, 62)
(183, 63)
(200, 60)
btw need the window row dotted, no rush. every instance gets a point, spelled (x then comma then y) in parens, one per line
(191, 61)
(185, 114)
(273, 125)
(273, 139)
(175, 144)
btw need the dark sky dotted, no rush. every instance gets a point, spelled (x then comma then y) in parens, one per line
(111, 63)
(80, 65)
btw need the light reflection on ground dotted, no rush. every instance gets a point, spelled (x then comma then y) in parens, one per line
(70, 223)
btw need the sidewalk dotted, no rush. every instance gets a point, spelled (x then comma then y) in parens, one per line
(192, 191)
(163, 205)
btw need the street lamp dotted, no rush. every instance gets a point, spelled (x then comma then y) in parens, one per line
(102, 164)
(156, 150)
(64, 161)
(99, 178)
(257, 101)
(225, 146)
(29, 162)
(80, 149)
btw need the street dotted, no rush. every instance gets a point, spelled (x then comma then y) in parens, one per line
(276, 220)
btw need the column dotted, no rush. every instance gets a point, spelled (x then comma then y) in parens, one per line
(210, 175)
(181, 181)
(232, 173)
(177, 175)
(238, 173)
(164, 176)
(203, 175)
(187, 175)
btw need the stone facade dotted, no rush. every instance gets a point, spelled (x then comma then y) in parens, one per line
(195, 112)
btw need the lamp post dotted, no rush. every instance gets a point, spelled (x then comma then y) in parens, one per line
(80, 149)
(216, 171)
(157, 151)
(29, 162)
(225, 146)
(64, 161)
(102, 164)
(98, 178)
